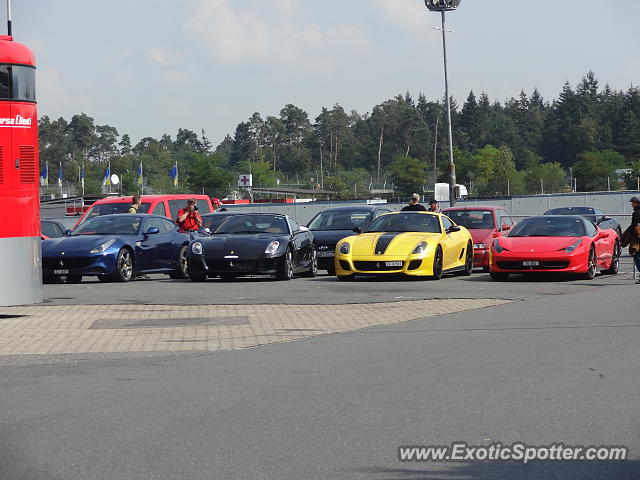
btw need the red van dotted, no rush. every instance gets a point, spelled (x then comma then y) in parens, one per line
(167, 205)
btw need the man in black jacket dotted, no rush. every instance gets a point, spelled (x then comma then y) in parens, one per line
(414, 205)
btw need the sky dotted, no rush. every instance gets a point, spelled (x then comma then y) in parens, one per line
(150, 67)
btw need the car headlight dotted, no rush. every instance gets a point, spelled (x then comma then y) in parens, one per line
(420, 248)
(103, 248)
(196, 248)
(479, 245)
(572, 247)
(345, 248)
(272, 247)
(497, 247)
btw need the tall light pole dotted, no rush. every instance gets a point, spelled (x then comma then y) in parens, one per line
(444, 6)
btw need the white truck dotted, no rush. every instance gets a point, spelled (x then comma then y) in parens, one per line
(441, 192)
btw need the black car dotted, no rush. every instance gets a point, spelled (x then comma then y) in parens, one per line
(254, 244)
(594, 215)
(333, 224)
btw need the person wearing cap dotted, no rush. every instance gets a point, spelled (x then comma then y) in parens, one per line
(215, 202)
(188, 218)
(631, 235)
(433, 206)
(414, 205)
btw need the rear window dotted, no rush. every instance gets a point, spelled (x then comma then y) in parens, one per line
(112, 208)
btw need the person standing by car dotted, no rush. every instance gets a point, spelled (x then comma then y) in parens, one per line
(188, 218)
(136, 200)
(631, 235)
(414, 205)
(215, 202)
(433, 206)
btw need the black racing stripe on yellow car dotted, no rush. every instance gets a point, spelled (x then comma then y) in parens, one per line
(383, 242)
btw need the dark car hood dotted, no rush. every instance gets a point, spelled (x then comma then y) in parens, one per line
(221, 244)
(80, 244)
(330, 237)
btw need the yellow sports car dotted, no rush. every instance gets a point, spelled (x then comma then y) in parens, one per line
(412, 243)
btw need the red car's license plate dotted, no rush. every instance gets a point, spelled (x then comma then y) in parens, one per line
(531, 263)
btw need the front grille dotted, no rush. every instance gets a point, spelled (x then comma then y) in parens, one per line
(544, 265)
(233, 265)
(375, 266)
(66, 263)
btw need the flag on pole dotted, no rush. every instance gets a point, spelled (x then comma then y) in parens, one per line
(44, 175)
(60, 175)
(140, 174)
(107, 176)
(174, 174)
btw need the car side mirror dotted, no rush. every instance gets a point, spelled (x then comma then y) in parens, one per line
(453, 228)
(206, 231)
(357, 230)
(303, 229)
(604, 219)
(506, 227)
(67, 233)
(152, 231)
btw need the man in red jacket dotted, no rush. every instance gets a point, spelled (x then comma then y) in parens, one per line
(188, 218)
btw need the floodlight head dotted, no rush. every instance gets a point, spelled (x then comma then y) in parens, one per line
(442, 5)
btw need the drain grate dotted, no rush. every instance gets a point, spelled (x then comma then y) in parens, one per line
(124, 323)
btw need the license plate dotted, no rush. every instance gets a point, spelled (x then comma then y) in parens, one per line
(61, 272)
(393, 264)
(531, 263)
(326, 254)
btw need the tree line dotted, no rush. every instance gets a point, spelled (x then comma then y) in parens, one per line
(525, 145)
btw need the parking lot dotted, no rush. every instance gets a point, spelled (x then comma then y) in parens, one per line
(315, 378)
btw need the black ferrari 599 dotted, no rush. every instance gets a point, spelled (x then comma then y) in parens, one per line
(254, 244)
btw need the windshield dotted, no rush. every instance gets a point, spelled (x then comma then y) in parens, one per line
(110, 225)
(406, 222)
(213, 220)
(549, 227)
(340, 220)
(250, 224)
(112, 208)
(472, 219)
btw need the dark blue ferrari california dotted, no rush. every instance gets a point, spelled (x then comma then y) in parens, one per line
(117, 248)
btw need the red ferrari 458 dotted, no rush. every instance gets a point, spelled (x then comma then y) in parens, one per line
(555, 243)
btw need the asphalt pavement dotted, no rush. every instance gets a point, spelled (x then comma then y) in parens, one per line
(557, 363)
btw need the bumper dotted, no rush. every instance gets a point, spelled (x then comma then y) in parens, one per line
(415, 265)
(85, 266)
(248, 266)
(559, 262)
(480, 257)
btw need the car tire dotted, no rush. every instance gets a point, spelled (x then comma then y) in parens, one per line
(313, 265)
(615, 261)
(468, 261)
(284, 271)
(182, 271)
(124, 266)
(437, 263)
(499, 276)
(592, 265)
(196, 274)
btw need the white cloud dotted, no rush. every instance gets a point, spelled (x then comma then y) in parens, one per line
(273, 30)
(163, 58)
(408, 14)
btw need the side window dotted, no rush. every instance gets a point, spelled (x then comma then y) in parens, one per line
(591, 229)
(160, 209)
(446, 222)
(168, 226)
(154, 223)
(506, 219)
(175, 206)
(295, 226)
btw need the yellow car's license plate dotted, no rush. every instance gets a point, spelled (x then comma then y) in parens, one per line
(393, 264)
